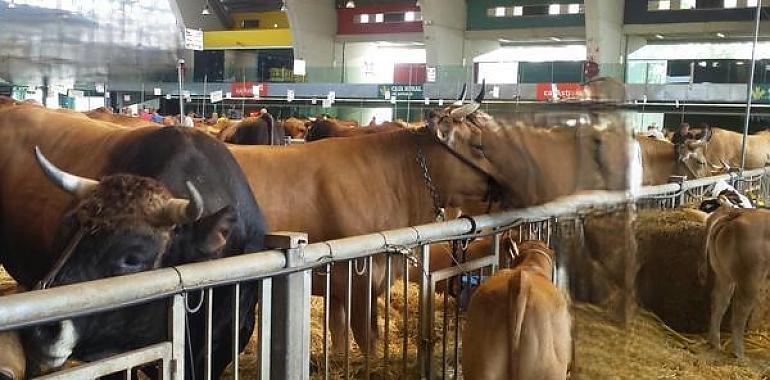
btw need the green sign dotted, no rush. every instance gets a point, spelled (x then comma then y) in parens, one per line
(401, 91)
(761, 93)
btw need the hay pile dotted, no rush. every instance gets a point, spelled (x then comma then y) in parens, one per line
(650, 350)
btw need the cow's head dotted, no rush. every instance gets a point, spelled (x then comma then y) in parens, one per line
(532, 165)
(120, 225)
(691, 157)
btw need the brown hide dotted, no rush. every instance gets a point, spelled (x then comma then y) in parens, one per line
(518, 323)
(328, 128)
(12, 360)
(726, 146)
(345, 187)
(296, 127)
(738, 249)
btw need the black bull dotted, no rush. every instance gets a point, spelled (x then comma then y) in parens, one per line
(32, 209)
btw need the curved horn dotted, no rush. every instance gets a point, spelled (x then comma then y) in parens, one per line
(75, 185)
(480, 96)
(465, 110)
(182, 211)
(461, 98)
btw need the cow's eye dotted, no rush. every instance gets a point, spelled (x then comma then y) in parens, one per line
(131, 261)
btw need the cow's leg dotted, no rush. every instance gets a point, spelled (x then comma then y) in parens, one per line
(337, 314)
(360, 323)
(720, 299)
(745, 295)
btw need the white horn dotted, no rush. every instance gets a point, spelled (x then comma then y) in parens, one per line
(461, 112)
(182, 211)
(75, 185)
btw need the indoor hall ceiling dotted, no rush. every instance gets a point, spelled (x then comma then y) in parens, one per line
(87, 41)
(237, 6)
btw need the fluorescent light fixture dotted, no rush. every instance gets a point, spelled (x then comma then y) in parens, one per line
(555, 39)
(573, 9)
(350, 4)
(659, 36)
(740, 63)
(503, 40)
(379, 17)
(275, 25)
(518, 11)
(499, 11)
(730, 3)
(554, 9)
(664, 5)
(205, 11)
(720, 35)
(409, 16)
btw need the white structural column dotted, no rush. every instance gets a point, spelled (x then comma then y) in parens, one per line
(313, 29)
(444, 28)
(605, 42)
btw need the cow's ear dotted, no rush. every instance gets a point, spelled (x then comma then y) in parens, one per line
(212, 232)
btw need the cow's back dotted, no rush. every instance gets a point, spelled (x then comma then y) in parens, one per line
(517, 327)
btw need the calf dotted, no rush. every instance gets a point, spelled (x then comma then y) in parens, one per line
(518, 323)
(12, 362)
(738, 251)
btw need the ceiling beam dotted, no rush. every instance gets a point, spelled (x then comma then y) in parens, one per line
(221, 13)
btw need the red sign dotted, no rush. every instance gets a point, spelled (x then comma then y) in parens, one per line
(559, 91)
(246, 89)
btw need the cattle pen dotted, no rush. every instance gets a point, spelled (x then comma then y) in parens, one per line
(286, 272)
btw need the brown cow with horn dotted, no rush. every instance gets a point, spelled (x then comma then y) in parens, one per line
(360, 185)
(518, 322)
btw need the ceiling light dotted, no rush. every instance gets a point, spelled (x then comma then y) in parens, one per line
(275, 25)
(555, 39)
(283, 7)
(11, 4)
(659, 36)
(205, 11)
(350, 4)
(720, 35)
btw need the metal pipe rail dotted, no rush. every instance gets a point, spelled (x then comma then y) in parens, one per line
(35, 307)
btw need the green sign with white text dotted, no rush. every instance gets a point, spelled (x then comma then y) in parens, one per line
(413, 91)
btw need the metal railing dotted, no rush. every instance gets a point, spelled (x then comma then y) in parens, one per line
(285, 277)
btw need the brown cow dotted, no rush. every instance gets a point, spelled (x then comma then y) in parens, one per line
(662, 159)
(12, 360)
(518, 322)
(375, 182)
(738, 252)
(295, 127)
(105, 114)
(326, 128)
(723, 148)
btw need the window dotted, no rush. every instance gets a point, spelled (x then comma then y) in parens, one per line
(664, 5)
(409, 16)
(687, 4)
(393, 17)
(751, 3)
(554, 9)
(573, 9)
(518, 11)
(731, 3)
(536, 10)
(710, 4)
(379, 17)
(500, 12)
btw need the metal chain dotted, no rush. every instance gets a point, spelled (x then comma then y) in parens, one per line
(421, 160)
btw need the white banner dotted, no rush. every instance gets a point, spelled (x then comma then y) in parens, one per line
(255, 90)
(326, 103)
(431, 73)
(228, 95)
(157, 91)
(99, 87)
(427, 101)
(440, 102)
(193, 39)
(289, 96)
(216, 96)
(300, 67)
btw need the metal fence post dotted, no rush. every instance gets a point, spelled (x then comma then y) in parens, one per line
(678, 179)
(290, 336)
(176, 321)
(425, 347)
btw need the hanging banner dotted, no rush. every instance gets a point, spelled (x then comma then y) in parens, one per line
(326, 103)
(289, 96)
(246, 89)
(216, 96)
(157, 91)
(193, 39)
(431, 74)
(99, 87)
